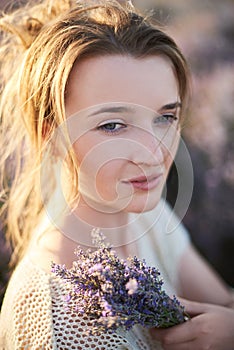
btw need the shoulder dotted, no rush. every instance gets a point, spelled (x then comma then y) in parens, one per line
(27, 281)
(26, 311)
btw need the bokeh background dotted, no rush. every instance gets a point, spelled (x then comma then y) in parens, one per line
(204, 29)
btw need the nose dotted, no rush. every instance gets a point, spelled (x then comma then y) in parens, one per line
(149, 150)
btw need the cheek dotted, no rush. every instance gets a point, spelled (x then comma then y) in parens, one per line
(82, 148)
(99, 170)
(96, 153)
(170, 152)
(107, 179)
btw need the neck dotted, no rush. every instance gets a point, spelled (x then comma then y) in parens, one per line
(74, 229)
(79, 224)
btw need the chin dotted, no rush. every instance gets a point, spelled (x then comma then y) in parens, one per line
(138, 208)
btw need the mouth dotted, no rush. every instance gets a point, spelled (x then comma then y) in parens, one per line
(145, 183)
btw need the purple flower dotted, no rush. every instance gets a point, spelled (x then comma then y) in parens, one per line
(117, 293)
(131, 286)
(95, 268)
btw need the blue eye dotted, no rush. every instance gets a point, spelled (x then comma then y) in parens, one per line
(165, 119)
(112, 127)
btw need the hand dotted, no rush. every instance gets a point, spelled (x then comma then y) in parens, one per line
(211, 327)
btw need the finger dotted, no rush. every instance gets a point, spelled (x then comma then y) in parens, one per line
(181, 346)
(194, 308)
(184, 332)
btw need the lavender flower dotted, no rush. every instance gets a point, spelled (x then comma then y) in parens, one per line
(117, 293)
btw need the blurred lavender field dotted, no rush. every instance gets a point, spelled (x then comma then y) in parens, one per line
(204, 29)
(4, 271)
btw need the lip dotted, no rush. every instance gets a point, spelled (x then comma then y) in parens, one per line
(145, 183)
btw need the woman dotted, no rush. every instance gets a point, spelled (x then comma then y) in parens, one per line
(92, 115)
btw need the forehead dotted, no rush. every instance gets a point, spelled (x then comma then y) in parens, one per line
(149, 82)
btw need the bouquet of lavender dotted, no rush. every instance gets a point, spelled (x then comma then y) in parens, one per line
(117, 293)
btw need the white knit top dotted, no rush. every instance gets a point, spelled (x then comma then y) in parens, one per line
(33, 314)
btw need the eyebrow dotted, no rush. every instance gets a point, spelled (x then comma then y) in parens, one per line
(124, 109)
(119, 109)
(173, 105)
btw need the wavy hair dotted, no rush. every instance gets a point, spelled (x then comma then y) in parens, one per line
(40, 43)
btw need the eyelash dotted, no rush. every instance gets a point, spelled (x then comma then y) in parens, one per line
(162, 119)
(165, 119)
(104, 127)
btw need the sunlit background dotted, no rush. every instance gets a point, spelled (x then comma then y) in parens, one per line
(204, 29)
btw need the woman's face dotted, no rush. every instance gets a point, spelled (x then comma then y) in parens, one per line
(123, 117)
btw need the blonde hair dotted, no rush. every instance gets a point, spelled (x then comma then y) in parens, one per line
(40, 44)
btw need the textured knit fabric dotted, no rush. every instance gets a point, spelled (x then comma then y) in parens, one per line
(33, 314)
